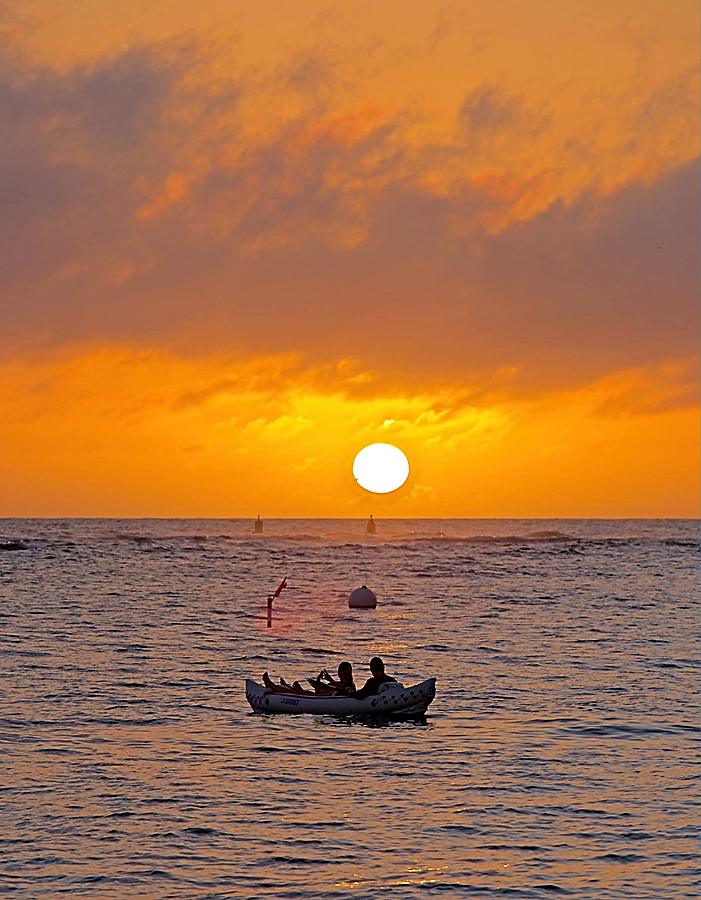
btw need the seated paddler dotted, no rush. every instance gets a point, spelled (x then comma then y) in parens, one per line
(327, 684)
(378, 677)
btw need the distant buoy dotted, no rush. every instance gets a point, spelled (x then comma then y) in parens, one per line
(371, 528)
(258, 525)
(362, 598)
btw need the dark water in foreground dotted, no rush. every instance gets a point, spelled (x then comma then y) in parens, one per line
(560, 757)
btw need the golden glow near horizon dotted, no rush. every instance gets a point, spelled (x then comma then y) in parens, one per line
(118, 432)
(243, 241)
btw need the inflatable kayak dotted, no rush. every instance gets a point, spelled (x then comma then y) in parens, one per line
(394, 700)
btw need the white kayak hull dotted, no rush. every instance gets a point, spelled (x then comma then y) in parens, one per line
(393, 701)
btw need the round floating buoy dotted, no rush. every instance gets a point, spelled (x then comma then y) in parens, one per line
(362, 598)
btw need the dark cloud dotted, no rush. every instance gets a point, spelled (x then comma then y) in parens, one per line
(668, 115)
(125, 99)
(79, 148)
(615, 278)
(490, 109)
(489, 114)
(325, 239)
(311, 75)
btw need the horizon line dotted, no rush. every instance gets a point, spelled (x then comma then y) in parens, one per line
(247, 518)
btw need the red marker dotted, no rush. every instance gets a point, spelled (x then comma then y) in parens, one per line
(280, 588)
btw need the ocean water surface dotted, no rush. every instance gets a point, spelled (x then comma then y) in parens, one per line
(559, 758)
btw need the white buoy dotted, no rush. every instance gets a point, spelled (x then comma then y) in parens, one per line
(362, 598)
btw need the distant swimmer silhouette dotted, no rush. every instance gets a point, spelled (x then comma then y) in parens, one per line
(258, 525)
(371, 528)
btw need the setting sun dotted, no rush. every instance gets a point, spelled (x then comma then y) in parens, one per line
(380, 468)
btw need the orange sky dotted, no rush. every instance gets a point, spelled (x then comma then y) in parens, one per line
(241, 241)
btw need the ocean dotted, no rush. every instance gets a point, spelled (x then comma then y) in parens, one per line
(559, 758)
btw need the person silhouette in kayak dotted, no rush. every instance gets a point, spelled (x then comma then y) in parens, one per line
(327, 684)
(324, 684)
(372, 685)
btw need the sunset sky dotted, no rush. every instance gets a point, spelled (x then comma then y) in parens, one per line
(241, 241)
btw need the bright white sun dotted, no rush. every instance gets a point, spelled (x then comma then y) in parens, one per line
(380, 468)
